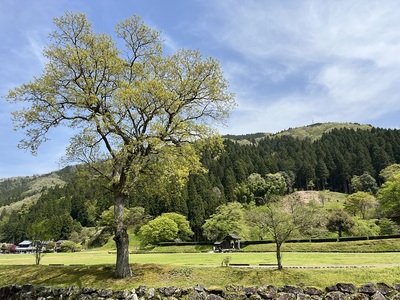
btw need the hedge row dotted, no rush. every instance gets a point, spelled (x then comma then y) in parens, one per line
(324, 240)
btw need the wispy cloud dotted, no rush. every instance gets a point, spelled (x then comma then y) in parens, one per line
(289, 62)
(343, 55)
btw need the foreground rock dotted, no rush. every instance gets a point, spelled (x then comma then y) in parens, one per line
(340, 291)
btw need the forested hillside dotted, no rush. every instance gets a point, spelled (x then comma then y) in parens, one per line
(330, 161)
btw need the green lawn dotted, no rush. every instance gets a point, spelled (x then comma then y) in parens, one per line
(209, 259)
(189, 269)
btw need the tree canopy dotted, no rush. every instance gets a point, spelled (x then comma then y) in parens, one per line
(229, 218)
(165, 228)
(282, 219)
(340, 221)
(138, 111)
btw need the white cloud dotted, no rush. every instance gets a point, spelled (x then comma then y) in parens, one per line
(342, 55)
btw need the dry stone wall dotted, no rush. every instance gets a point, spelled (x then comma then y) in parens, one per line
(340, 291)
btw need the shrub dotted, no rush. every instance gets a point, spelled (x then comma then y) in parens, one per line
(69, 246)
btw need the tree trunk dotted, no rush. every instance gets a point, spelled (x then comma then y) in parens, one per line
(279, 256)
(122, 268)
(38, 257)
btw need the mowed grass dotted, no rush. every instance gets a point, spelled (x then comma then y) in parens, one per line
(189, 269)
(303, 259)
(154, 275)
(382, 245)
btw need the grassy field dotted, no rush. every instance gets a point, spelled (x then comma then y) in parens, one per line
(189, 269)
(290, 259)
(353, 246)
(152, 275)
(384, 245)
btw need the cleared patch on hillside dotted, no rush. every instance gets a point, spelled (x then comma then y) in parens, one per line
(315, 131)
(36, 187)
(325, 198)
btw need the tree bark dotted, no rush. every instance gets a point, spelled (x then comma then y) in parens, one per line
(122, 268)
(279, 256)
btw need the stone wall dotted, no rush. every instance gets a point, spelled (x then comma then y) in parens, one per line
(340, 291)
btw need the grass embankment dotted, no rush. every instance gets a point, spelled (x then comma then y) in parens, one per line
(95, 268)
(384, 245)
(152, 275)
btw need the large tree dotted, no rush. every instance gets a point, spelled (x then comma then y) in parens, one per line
(229, 218)
(340, 221)
(362, 204)
(136, 110)
(165, 228)
(389, 197)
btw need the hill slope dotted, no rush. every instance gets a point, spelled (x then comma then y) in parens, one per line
(17, 191)
(312, 132)
(315, 131)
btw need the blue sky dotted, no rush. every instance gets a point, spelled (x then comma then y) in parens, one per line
(290, 63)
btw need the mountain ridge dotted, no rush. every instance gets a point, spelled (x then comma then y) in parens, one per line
(313, 131)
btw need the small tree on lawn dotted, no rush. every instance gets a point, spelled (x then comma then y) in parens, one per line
(282, 219)
(38, 232)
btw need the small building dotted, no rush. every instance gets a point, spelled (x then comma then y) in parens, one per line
(25, 247)
(230, 243)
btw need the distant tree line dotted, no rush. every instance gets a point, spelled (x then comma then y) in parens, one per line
(253, 173)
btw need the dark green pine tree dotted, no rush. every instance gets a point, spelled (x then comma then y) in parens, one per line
(229, 182)
(196, 209)
(322, 174)
(380, 159)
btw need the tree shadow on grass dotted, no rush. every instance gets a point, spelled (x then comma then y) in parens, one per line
(96, 276)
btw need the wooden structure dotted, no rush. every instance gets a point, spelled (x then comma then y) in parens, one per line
(230, 243)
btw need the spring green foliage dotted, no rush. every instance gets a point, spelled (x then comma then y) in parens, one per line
(136, 109)
(135, 217)
(361, 204)
(107, 217)
(366, 228)
(69, 246)
(387, 227)
(261, 189)
(282, 220)
(229, 218)
(161, 229)
(343, 153)
(389, 195)
(388, 173)
(165, 228)
(184, 231)
(39, 233)
(339, 221)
